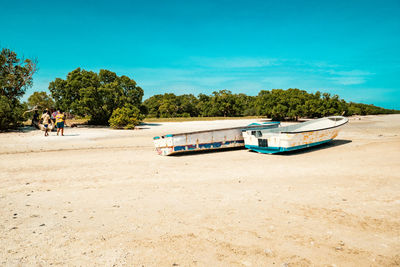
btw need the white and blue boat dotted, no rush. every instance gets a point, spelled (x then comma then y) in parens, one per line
(293, 137)
(206, 140)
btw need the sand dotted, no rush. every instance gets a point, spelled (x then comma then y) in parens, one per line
(102, 197)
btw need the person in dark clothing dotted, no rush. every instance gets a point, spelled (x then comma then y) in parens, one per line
(35, 119)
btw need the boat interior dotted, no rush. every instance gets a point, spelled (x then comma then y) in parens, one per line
(312, 125)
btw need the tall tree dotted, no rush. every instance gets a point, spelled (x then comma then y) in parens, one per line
(204, 105)
(187, 105)
(15, 77)
(40, 100)
(223, 103)
(96, 95)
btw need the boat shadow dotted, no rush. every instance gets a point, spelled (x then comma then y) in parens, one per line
(146, 126)
(149, 124)
(23, 129)
(207, 151)
(333, 143)
(27, 129)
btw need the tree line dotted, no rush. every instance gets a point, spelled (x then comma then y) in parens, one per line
(277, 104)
(108, 99)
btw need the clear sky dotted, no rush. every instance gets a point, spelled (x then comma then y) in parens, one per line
(350, 48)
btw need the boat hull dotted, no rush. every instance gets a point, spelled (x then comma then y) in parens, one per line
(204, 140)
(274, 150)
(284, 140)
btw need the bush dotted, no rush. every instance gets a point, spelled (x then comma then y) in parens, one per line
(184, 115)
(126, 117)
(11, 113)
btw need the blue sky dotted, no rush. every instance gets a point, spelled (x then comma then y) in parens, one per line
(350, 48)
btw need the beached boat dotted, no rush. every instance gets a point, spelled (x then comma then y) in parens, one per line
(205, 140)
(292, 137)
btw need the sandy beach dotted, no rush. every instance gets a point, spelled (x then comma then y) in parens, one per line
(102, 197)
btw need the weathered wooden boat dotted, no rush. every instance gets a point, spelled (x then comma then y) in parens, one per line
(205, 140)
(292, 137)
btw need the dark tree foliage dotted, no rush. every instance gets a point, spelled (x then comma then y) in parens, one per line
(170, 105)
(40, 100)
(87, 93)
(15, 77)
(363, 109)
(203, 106)
(277, 104)
(222, 103)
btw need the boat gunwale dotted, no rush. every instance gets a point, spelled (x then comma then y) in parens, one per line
(284, 129)
(223, 129)
(315, 130)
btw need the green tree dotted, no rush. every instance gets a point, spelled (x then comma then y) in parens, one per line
(87, 93)
(152, 105)
(295, 100)
(187, 105)
(272, 104)
(15, 77)
(40, 100)
(294, 103)
(11, 113)
(245, 105)
(68, 93)
(168, 107)
(222, 103)
(204, 105)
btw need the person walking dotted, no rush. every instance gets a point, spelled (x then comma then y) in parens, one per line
(60, 120)
(45, 120)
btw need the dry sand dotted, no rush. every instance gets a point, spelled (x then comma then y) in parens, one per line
(104, 197)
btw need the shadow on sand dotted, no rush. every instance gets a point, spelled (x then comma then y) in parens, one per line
(27, 129)
(334, 143)
(149, 124)
(90, 126)
(200, 152)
